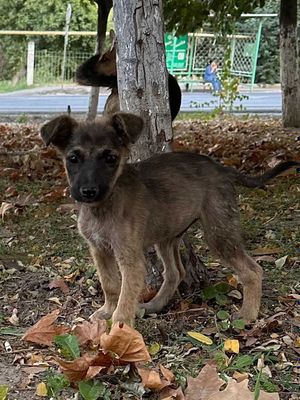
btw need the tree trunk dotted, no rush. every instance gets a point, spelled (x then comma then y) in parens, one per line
(104, 7)
(142, 74)
(289, 64)
(143, 89)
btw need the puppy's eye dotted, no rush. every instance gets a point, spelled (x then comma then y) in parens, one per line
(110, 158)
(73, 158)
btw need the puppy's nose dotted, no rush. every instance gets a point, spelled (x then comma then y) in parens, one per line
(88, 192)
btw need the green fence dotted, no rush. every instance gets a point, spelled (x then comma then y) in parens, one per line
(187, 56)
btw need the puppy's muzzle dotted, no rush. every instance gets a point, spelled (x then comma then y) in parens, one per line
(89, 193)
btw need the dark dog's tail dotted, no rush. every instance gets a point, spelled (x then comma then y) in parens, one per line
(260, 180)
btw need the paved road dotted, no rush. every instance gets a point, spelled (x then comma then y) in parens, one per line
(18, 103)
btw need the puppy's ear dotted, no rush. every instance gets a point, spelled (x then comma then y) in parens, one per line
(58, 131)
(128, 126)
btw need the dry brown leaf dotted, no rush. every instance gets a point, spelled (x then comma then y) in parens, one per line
(85, 367)
(13, 319)
(240, 376)
(44, 331)
(168, 375)
(126, 342)
(238, 391)
(90, 332)
(152, 380)
(4, 208)
(169, 393)
(206, 383)
(59, 283)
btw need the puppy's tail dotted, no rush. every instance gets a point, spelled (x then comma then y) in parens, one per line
(260, 180)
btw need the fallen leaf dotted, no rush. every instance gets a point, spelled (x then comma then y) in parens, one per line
(126, 342)
(34, 370)
(147, 294)
(238, 391)
(154, 348)
(240, 376)
(14, 320)
(4, 208)
(86, 367)
(281, 261)
(200, 338)
(152, 380)
(297, 342)
(44, 331)
(232, 345)
(41, 390)
(232, 280)
(55, 300)
(261, 251)
(90, 332)
(60, 284)
(168, 374)
(3, 392)
(169, 393)
(206, 383)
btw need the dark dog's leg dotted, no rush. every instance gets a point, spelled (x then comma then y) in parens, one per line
(132, 266)
(220, 221)
(109, 276)
(173, 273)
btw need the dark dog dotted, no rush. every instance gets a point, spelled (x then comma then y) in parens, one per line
(125, 208)
(102, 71)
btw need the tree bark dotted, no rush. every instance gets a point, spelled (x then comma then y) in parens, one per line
(104, 7)
(142, 74)
(289, 64)
(143, 89)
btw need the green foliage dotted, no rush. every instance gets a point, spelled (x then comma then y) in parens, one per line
(46, 15)
(91, 390)
(217, 292)
(268, 63)
(191, 17)
(68, 345)
(55, 383)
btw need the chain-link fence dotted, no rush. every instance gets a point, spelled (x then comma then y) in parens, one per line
(48, 65)
(187, 56)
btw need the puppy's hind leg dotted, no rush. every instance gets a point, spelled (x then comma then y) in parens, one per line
(109, 276)
(173, 273)
(220, 221)
(250, 275)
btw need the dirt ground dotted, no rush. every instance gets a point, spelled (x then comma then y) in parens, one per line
(39, 244)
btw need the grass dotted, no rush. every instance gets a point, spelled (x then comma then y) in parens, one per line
(7, 86)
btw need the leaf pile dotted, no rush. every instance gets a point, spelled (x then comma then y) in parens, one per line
(247, 144)
(92, 352)
(24, 156)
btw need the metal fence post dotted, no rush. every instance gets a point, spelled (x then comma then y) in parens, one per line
(254, 60)
(30, 63)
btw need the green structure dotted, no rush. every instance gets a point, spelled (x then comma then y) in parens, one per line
(187, 56)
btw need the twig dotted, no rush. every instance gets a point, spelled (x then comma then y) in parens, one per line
(18, 153)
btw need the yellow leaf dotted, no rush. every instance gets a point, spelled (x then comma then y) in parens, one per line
(3, 392)
(200, 338)
(297, 341)
(154, 348)
(41, 390)
(232, 345)
(232, 280)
